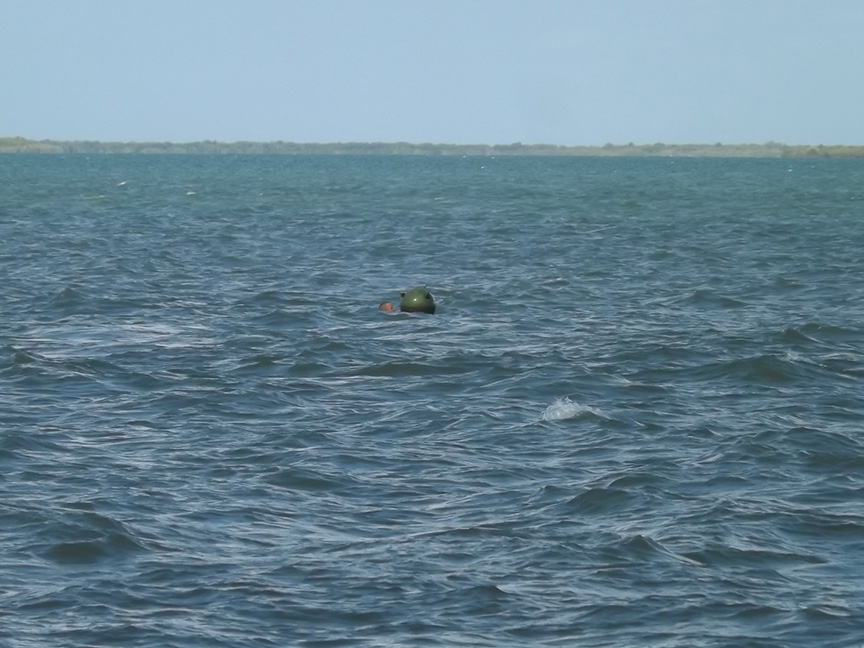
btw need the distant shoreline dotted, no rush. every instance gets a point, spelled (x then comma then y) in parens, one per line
(768, 150)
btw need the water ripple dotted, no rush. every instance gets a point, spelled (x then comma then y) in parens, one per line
(634, 419)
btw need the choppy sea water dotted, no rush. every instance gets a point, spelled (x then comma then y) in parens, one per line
(637, 418)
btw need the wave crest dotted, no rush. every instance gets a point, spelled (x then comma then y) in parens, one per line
(564, 408)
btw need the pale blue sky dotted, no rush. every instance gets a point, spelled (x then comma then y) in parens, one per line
(456, 71)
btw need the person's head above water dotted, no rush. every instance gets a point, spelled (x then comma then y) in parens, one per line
(417, 300)
(386, 306)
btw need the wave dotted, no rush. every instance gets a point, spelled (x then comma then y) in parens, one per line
(71, 537)
(762, 369)
(706, 297)
(563, 409)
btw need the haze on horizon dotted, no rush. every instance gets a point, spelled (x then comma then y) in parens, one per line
(572, 72)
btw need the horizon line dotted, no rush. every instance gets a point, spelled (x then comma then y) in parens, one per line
(768, 143)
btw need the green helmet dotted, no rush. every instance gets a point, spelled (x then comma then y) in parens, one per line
(417, 300)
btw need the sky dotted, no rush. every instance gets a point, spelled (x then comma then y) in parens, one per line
(569, 72)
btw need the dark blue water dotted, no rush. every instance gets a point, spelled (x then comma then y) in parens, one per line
(637, 418)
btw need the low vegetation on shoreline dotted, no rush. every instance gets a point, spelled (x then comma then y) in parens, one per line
(208, 147)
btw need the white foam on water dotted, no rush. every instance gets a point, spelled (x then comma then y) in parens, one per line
(563, 408)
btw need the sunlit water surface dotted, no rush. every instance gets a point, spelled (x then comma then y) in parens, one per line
(635, 419)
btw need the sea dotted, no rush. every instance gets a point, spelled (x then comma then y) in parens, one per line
(636, 418)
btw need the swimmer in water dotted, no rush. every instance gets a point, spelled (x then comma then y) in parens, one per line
(387, 307)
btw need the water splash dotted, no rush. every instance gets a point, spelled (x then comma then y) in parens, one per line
(563, 408)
